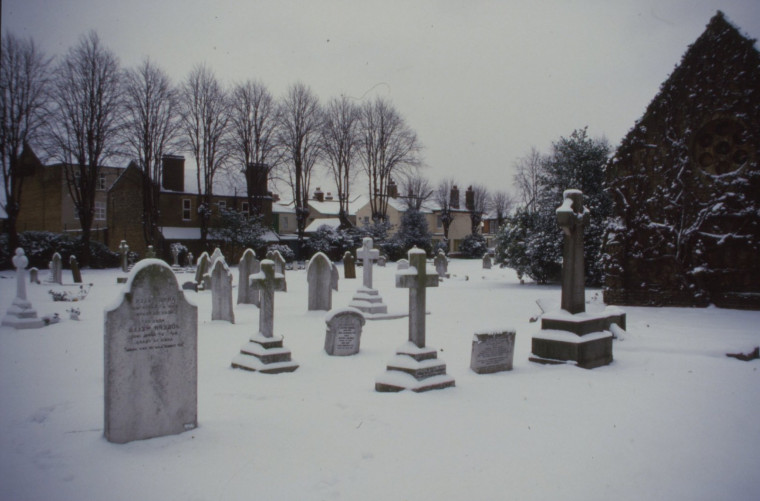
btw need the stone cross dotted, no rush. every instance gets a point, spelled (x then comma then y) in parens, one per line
(367, 254)
(572, 217)
(124, 251)
(21, 314)
(417, 279)
(267, 282)
(175, 255)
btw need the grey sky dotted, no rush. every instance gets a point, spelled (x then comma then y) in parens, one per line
(480, 81)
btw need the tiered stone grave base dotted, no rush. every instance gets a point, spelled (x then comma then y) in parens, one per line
(22, 316)
(368, 301)
(583, 338)
(416, 369)
(265, 355)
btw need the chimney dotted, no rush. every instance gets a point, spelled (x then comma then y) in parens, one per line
(454, 198)
(469, 199)
(256, 179)
(328, 197)
(173, 176)
(319, 195)
(392, 189)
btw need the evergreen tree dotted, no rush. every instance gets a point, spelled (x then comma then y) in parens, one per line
(414, 231)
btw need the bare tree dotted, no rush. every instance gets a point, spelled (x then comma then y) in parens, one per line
(442, 197)
(388, 145)
(340, 143)
(204, 122)
(501, 205)
(300, 122)
(24, 86)
(151, 127)
(415, 190)
(253, 122)
(477, 201)
(528, 171)
(85, 123)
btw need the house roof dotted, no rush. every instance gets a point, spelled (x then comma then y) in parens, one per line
(333, 223)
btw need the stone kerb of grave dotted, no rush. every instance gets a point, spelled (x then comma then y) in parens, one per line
(151, 357)
(264, 352)
(344, 331)
(221, 292)
(319, 278)
(572, 334)
(415, 367)
(492, 351)
(21, 314)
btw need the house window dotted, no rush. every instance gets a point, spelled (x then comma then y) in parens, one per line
(438, 222)
(100, 211)
(246, 209)
(284, 222)
(102, 181)
(186, 209)
(366, 220)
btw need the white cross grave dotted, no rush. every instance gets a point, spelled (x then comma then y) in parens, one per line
(367, 254)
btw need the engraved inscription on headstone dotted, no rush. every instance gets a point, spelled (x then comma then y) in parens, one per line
(492, 352)
(344, 330)
(151, 340)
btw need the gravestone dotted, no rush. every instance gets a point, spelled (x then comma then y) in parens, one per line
(368, 300)
(441, 265)
(124, 255)
(34, 276)
(76, 275)
(216, 255)
(201, 268)
(571, 334)
(21, 314)
(151, 357)
(221, 292)
(175, 256)
(416, 366)
(150, 253)
(487, 261)
(279, 265)
(349, 265)
(334, 276)
(381, 261)
(264, 352)
(319, 278)
(344, 331)
(492, 352)
(56, 269)
(190, 260)
(402, 264)
(247, 266)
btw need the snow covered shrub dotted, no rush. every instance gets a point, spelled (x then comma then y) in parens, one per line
(286, 252)
(412, 232)
(40, 246)
(473, 246)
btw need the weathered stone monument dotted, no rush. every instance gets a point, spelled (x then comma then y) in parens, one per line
(264, 351)
(221, 292)
(487, 261)
(279, 265)
(344, 331)
(190, 261)
(151, 357)
(175, 256)
(334, 276)
(150, 253)
(319, 278)
(76, 275)
(441, 265)
(247, 266)
(402, 264)
(34, 275)
(381, 261)
(56, 269)
(124, 256)
(21, 314)
(349, 265)
(571, 334)
(368, 300)
(492, 352)
(416, 367)
(202, 268)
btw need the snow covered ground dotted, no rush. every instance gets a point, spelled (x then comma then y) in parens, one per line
(672, 418)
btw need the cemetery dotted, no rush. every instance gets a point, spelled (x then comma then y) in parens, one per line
(327, 428)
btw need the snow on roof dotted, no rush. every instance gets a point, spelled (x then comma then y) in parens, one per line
(333, 223)
(181, 233)
(281, 208)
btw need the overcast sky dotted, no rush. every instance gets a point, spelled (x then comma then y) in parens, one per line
(479, 81)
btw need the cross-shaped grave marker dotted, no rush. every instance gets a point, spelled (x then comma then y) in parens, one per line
(572, 217)
(415, 367)
(368, 300)
(367, 254)
(264, 351)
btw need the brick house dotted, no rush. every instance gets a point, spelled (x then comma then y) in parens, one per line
(685, 184)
